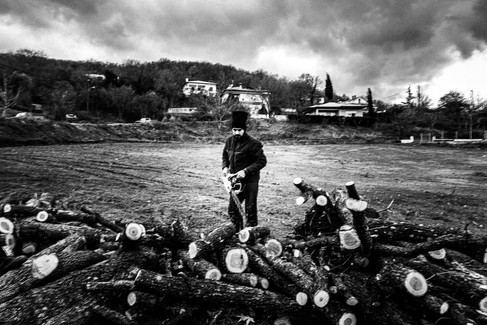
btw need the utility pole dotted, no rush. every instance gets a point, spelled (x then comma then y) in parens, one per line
(471, 115)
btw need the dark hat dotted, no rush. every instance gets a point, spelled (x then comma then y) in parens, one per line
(239, 119)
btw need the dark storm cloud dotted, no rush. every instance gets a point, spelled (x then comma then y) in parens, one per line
(368, 42)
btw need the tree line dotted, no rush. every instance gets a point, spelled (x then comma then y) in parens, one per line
(133, 89)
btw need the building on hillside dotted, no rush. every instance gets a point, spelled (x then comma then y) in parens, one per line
(257, 101)
(95, 77)
(357, 100)
(343, 109)
(205, 88)
(181, 112)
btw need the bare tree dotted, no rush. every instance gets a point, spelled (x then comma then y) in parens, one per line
(8, 97)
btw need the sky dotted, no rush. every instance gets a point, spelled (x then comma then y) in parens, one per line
(385, 45)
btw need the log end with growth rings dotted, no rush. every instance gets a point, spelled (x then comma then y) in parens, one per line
(213, 274)
(134, 231)
(6, 226)
(264, 283)
(44, 265)
(321, 298)
(348, 237)
(483, 305)
(416, 284)
(300, 200)
(444, 308)
(236, 260)
(7, 240)
(244, 235)
(439, 254)
(42, 216)
(347, 319)
(274, 247)
(352, 301)
(321, 200)
(193, 250)
(301, 298)
(132, 298)
(355, 205)
(7, 208)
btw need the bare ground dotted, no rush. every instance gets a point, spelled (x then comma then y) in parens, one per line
(136, 181)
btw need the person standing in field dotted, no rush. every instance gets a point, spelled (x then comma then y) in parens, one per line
(243, 158)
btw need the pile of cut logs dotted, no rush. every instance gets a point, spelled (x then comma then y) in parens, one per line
(343, 264)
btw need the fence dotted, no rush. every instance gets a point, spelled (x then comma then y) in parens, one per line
(442, 136)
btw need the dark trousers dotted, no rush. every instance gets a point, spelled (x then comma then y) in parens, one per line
(248, 198)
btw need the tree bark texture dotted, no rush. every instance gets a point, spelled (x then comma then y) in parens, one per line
(213, 292)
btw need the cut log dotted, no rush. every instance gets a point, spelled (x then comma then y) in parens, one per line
(7, 240)
(245, 279)
(44, 265)
(252, 234)
(215, 292)
(273, 247)
(181, 234)
(199, 266)
(69, 244)
(469, 289)
(438, 254)
(323, 240)
(44, 216)
(356, 205)
(235, 259)
(106, 315)
(339, 288)
(362, 229)
(21, 211)
(54, 232)
(399, 276)
(75, 315)
(56, 296)
(352, 190)
(349, 239)
(338, 314)
(263, 267)
(145, 306)
(134, 231)
(343, 213)
(304, 281)
(45, 268)
(114, 285)
(303, 198)
(263, 282)
(10, 263)
(388, 232)
(6, 226)
(213, 241)
(29, 248)
(372, 307)
(97, 218)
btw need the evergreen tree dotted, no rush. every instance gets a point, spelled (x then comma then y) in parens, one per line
(328, 88)
(370, 106)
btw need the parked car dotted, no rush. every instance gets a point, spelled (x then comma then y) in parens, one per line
(71, 117)
(144, 120)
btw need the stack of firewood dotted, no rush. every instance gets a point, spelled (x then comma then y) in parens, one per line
(343, 264)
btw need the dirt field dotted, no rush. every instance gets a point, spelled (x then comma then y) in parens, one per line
(140, 180)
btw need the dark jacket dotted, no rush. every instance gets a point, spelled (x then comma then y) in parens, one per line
(245, 153)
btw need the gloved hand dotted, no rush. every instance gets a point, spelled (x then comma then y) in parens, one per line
(225, 172)
(241, 174)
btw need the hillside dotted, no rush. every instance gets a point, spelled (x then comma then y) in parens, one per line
(14, 132)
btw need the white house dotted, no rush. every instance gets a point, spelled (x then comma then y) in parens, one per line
(337, 109)
(257, 101)
(206, 88)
